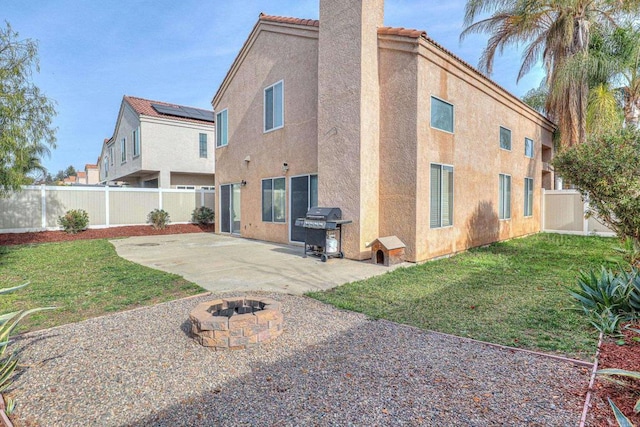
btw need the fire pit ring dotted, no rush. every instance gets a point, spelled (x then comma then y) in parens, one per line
(236, 323)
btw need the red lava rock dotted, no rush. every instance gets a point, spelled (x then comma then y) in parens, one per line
(625, 357)
(8, 239)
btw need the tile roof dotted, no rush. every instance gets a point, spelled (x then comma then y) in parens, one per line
(287, 20)
(143, 107)
(400, 31)
(90, 166)
(81, 175)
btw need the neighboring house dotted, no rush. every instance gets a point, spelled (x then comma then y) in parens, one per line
(384, 123)
(159, 145)
(81, 178)
(92, 174)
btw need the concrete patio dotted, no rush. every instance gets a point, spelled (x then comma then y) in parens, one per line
(223, 263)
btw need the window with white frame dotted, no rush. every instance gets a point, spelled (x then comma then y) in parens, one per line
(123, 150)
(441, 115)
(105, 163)
(504, 195)
(505, 138)
(136, 142)
(274, 107)
(203, 145)
(528, 147)
(441, 198)
(222, 127)
(273, 200)
(528, 197)
(111, 156)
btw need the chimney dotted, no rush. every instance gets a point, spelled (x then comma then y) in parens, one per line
(349, 117)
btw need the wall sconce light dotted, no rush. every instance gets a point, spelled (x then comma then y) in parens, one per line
(247, 159)
(243, 183)
(285, 167)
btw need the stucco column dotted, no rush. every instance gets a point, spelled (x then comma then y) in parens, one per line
(164, 179)
(349, 117)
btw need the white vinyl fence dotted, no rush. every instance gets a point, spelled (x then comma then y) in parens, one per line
(37, 208)
(564, 213)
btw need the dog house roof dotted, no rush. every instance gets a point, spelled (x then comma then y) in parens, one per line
(390, 243)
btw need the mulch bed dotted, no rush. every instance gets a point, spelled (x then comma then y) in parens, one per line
(8, 239)
(614, 355)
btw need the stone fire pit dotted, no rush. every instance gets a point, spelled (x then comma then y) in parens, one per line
(236, 323)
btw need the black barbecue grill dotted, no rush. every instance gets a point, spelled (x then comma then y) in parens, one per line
(321, 226)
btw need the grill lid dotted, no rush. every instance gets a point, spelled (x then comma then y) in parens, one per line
(326, 214)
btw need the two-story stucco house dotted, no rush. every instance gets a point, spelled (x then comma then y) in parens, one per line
(384, 123)
(160, 145)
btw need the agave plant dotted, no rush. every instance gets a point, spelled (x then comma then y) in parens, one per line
(606, 291)
(8, 323)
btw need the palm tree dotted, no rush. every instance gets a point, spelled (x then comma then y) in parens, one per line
(556, 31)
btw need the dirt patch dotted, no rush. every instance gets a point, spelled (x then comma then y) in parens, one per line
(8, 239)
(614, 355)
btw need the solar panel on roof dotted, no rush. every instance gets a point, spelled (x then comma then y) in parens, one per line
(186, 112)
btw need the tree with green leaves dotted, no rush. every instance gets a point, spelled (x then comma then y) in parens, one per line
(26, 114)
(606, 170)
(558, 32)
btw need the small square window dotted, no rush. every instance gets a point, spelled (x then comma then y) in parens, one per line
(505, 138)
(441, 115)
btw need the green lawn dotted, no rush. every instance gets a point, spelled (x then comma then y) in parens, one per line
(512, 293)
(85, 278)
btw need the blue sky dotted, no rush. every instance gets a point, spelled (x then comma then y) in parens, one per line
(94, 52)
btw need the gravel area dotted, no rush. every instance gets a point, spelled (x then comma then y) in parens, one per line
(330, 367)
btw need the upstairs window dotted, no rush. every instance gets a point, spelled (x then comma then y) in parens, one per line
(273, 107)
(203, 145)
(221, 128)
(111, 156)
(136, 142)
(123, 150)
(441, 115)
(505, 138)
(528, 147)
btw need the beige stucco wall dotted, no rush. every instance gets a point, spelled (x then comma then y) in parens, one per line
(192, 179)
(398, 146)
(173, 146)
(480, 108)
(372, 144)
(274, 52)
(165, 146)
(349, 117)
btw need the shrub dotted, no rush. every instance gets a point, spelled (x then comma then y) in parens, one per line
(158, 218)
(607, 172)
(203, 215)
(74, 221)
